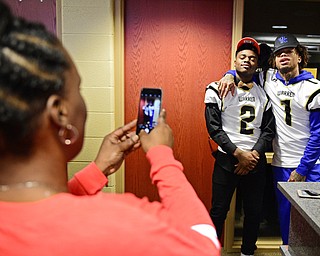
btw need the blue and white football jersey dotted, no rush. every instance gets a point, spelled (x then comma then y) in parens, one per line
(292, 104)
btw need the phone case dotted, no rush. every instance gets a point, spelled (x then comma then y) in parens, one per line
(306, 193)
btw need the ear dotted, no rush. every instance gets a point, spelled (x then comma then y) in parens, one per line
(57, 110)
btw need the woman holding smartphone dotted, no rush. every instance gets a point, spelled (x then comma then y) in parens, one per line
(42, 121)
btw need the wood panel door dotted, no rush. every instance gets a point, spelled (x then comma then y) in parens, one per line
(180, 46)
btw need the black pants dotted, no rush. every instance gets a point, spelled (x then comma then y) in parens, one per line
(224, 183)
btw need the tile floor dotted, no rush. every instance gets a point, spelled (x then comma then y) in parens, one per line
(256, 254)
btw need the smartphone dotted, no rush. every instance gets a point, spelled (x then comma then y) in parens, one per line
(149, 109)
(309, 193)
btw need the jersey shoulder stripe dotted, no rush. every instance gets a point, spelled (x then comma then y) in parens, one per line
(314, 81)
(212, 93)
(314, 101)
(213, 86)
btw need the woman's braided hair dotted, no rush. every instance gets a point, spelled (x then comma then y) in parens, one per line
(32, 63)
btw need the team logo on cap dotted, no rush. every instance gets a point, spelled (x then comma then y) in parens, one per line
(247, 42)
(283, 40)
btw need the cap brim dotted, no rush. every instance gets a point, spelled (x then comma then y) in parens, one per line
(285, 46)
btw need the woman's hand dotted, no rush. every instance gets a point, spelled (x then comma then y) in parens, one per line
(115, 147)
(160, 135)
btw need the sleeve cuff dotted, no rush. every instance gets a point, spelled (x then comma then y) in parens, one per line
(91, 178)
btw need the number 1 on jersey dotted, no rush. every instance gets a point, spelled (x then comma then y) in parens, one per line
(287, 109)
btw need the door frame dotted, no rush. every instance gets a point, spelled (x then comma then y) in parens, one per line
(119, 81)
(237, 25)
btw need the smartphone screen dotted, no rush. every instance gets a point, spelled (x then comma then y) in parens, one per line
(149, 109)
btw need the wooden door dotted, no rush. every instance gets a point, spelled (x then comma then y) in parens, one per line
(180, 46)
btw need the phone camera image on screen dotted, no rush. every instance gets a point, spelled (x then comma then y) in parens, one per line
(149, 109)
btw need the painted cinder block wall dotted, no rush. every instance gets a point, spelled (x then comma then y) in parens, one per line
(87, 31)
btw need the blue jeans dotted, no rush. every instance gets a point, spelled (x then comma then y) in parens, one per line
(282, 174)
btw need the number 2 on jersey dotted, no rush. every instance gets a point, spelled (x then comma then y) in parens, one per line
(249, 110)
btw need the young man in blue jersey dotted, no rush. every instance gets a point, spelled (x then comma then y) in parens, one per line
(295, 98)
(243, 128)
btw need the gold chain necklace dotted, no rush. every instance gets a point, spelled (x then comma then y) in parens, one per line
(27, 185)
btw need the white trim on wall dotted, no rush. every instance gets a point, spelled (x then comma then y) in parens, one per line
(119, 80)
(58, 19)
